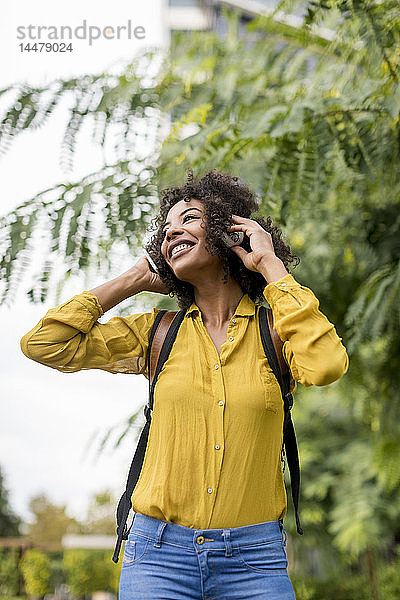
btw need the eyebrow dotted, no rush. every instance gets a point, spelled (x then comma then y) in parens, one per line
(182, 213)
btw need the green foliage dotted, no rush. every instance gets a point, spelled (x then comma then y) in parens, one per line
(36, 571)
(73, 219)
(56, 567)
(9, 522)
(389, 579)
(345, 506)
(81, 221)
(9, 573)
(85, 571)
(88, 571)
(347, 585)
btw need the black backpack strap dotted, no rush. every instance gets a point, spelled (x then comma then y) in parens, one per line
(125, 503)
(289, 436)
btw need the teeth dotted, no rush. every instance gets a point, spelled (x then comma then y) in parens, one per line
(180, 247)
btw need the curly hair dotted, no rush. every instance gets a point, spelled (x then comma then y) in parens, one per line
(222, 195)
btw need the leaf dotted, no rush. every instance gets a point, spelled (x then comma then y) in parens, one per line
(260, 123)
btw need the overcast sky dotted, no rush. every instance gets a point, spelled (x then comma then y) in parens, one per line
(47, 417)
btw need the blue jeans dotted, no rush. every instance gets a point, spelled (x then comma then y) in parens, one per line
(166, 561)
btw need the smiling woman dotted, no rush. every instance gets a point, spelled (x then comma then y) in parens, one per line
(210, 499)
(208, 206)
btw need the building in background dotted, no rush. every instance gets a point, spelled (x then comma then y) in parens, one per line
(190, 15)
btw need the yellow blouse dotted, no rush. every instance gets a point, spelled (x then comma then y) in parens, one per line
(213, 458)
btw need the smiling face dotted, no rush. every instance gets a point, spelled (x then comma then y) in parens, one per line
(185, 224)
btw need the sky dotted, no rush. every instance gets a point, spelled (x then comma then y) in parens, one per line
(48, 418)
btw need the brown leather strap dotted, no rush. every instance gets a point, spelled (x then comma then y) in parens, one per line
(158, 341)
(278, 343)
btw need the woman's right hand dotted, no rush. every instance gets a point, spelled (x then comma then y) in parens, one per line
(151, 281)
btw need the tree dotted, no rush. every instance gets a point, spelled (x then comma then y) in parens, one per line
(9, 522)
(101, 514)
(50, 522)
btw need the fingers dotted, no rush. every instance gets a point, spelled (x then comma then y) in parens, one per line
(241, 219)
(239, 251)
(248, 226)
(242, 223)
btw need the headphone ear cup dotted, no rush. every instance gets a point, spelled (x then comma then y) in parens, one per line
(153, 266)
(232, 238)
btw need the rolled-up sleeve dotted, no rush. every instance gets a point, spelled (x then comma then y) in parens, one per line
(312, 348)
(69, 338)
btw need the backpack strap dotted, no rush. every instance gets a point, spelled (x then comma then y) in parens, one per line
(277, 342)
(272, 345)
(162, 340)
(157, 337)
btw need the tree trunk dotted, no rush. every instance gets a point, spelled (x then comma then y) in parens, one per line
(371, 567)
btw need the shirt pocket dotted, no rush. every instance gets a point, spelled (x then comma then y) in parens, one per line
(272, 391)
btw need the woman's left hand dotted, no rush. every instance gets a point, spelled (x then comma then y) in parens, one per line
(262, 248)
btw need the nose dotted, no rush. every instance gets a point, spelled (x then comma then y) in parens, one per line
(173, 230)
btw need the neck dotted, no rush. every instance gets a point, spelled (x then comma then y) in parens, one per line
(217, 301)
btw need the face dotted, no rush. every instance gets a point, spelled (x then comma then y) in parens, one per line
(185, 223)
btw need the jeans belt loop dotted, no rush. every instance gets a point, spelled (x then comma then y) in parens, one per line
(227, 539)
(159, 533)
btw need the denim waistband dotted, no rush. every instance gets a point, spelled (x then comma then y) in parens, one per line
(202, 539)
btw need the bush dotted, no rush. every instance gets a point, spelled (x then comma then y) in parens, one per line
(340, 587)
(389, 579)
(349, 586)
(9, 572)
(89, 571)
(36, 571)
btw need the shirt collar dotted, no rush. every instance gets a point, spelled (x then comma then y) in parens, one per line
(245, 308)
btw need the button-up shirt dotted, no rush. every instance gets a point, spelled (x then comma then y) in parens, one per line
(213, 458)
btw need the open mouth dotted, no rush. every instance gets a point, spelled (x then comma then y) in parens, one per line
(179, 252)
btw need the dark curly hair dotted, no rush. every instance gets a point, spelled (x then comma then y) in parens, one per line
(222, 195)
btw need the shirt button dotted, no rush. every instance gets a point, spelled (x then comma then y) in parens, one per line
(216, 367)
(217, 446)
(221, 402)
(283, 284)
(210, 490)
(230, 339)
(233, 320)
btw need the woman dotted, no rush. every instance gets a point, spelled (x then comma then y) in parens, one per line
(210, 500)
